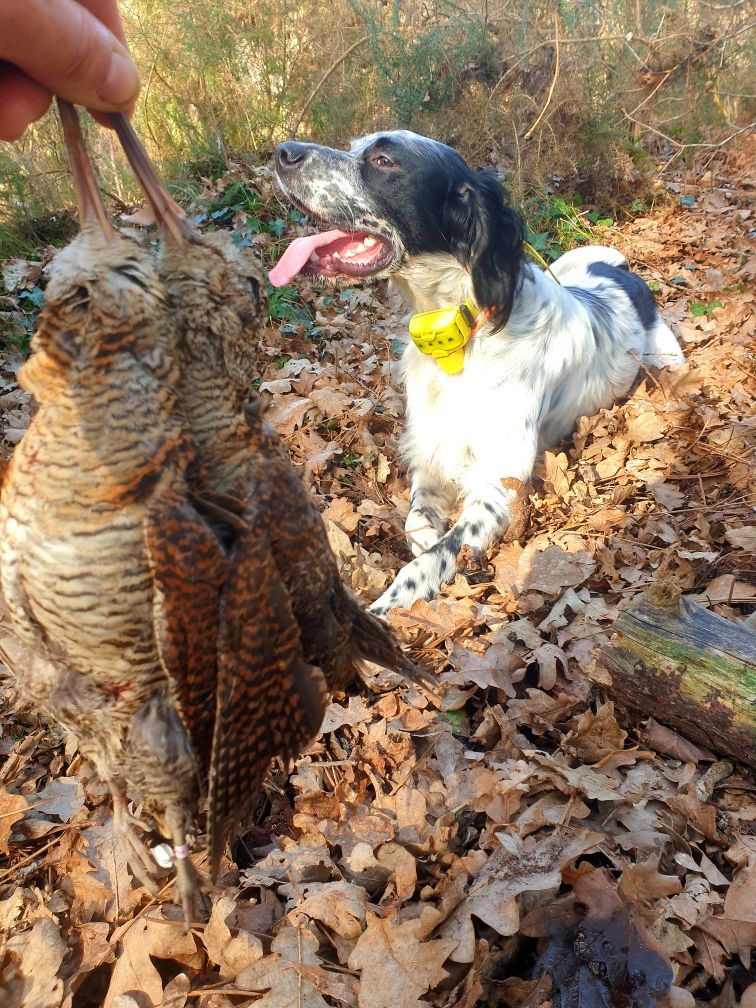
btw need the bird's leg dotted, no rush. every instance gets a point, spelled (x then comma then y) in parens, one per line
(141, 863)
(187, 877)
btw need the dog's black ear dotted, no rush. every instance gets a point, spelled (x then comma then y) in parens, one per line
(486, 235)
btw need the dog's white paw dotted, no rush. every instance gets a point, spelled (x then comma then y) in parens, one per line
(421, 535)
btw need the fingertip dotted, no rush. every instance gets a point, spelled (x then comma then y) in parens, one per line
(121, 85)
(73, 54)
(22, 102)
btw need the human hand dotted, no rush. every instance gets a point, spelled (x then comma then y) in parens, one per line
(72, 48)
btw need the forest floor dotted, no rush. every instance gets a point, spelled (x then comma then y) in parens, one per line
(529, 843)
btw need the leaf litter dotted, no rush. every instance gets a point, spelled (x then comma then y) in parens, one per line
(528, 843)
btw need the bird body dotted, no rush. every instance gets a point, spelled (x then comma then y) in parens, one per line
(215, 295)
(102, 453)
(168, 578)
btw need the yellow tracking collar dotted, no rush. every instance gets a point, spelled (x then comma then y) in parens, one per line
(443, 333)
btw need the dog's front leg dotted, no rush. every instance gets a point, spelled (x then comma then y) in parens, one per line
(431, 503)
(485, 516)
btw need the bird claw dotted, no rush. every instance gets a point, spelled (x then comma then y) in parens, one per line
(141, 863)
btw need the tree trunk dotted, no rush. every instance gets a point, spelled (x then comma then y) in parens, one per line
(673, 659)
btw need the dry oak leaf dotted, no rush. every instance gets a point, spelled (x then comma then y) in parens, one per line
(547, 656)
(510, 871)
(338, 905)
(330, 401)
(342, 513)
(62, 797)
(397, 968)
(736, 927)
(598, 735)
(497, 666)
(134, 970)
(290, 976)
(664, 740)
(594, 785)
(108, 867)
(11, 909)
(642, 884)
(12, 809)
(403, 866)
(648, 426)
(30, 977)
(743, 537)
(93, 949)
(287, 412)
(90, 892)
(338, 716)
(557, 472)
(305, 860)
(553, 569)
(231, 953)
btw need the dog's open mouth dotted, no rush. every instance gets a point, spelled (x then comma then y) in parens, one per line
(333, 253)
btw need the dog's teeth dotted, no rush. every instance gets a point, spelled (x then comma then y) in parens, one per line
(314, 257)
(370, 241)
(353, 250)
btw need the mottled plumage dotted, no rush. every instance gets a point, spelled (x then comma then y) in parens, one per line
(154, 627)
(103, 456)
(214, 292)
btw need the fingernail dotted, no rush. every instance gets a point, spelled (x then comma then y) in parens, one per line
(122, 83)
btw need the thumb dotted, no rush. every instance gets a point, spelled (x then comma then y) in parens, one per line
(69, 52)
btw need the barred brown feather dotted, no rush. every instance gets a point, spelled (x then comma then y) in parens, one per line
(285, 612)
(81, 570)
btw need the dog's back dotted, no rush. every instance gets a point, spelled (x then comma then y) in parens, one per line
(584, 266)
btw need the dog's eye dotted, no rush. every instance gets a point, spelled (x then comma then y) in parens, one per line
(381, 161)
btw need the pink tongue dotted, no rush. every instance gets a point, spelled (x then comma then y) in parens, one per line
(298, 253)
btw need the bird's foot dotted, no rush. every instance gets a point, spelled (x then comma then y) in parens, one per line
(188, 881)
(126, 829)
(187, 884)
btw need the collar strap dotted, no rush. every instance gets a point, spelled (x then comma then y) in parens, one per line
(444, 332)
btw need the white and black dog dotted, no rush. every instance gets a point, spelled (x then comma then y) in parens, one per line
(544, 349)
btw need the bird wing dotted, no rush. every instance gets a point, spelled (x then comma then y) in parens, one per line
(189, 568)
(337, 633)
(270, 702)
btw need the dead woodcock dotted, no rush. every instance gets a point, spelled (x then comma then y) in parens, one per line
(164, 567)
(214, 291)
(137, 627)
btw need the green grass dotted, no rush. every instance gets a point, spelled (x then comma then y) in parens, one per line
(18, 322)
(555, 224)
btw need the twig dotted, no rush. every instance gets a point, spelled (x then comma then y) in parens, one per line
(648, 97)
(688, 146)
(10, 872)
(574, 41)
(647, 373)
(550, 95)
(332, 69)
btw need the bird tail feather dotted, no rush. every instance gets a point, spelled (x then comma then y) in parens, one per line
(375, 642)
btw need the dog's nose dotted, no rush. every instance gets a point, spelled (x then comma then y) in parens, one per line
(291, 155)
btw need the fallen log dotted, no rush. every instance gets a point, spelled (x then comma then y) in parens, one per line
(675, 660)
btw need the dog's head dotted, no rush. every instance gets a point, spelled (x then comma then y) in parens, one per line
(394, 196)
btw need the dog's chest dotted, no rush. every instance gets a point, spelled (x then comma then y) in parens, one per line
(450, 418)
